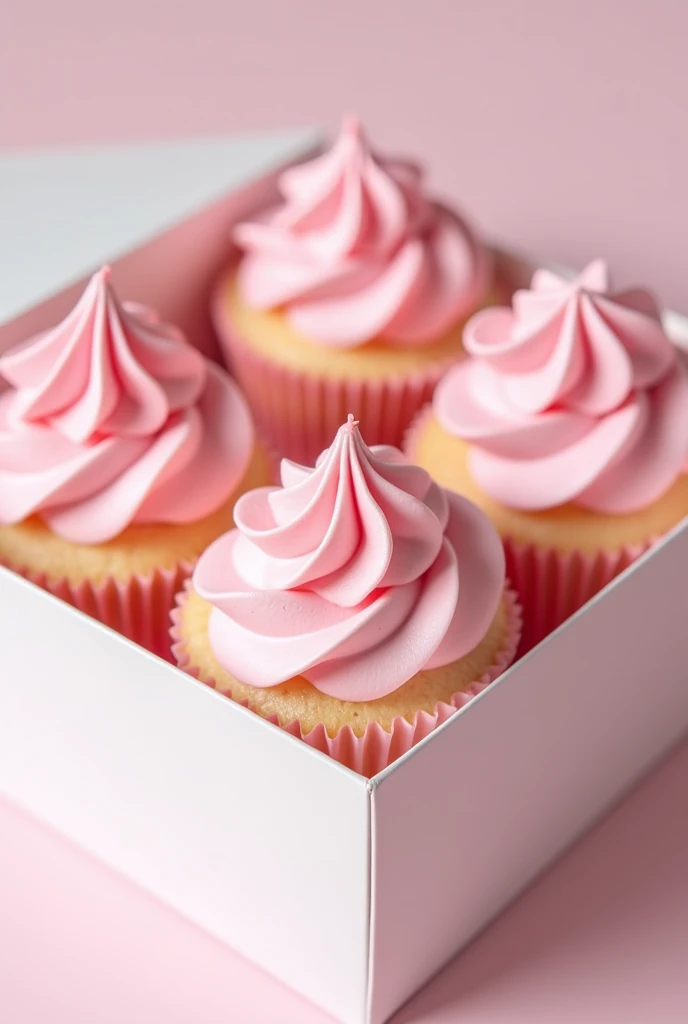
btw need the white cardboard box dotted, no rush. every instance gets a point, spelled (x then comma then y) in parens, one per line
(352, 891)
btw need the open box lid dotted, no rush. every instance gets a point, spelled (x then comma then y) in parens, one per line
(64, 211)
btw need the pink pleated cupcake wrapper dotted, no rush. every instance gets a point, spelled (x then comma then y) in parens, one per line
(552, 584)
(377, 748)
(414, 428)
(298, 414)
(138, 608)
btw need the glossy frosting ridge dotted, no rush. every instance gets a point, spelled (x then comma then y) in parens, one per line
(111, 418)
(356, 574)
(357, 251)
(574, 394)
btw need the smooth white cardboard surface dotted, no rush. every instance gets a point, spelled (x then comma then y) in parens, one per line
(509, 782)
(352, 892)
(63, 211)
(246, 830)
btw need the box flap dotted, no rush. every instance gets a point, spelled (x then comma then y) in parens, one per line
(65, 211)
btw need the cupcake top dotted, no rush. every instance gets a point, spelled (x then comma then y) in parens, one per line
(358, 251)
(574, 394)
(112, 418)
(355, 574)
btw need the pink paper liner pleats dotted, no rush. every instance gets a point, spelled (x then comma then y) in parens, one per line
(552, 585)
(298, 414)
(377, 748)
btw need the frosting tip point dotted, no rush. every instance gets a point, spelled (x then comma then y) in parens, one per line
(351, 124)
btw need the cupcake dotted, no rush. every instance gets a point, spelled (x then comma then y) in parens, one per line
(351, 295)
(356, 606)
(569, 428)
(122, 451)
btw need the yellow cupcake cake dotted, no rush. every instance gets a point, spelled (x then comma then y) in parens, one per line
(351, 296)
(122, 451)
(568, 426)
(334, 608)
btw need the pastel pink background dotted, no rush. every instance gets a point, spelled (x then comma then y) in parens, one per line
(601, 939)
(560, 124)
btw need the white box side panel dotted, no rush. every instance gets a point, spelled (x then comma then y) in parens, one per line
(244, 829)
(467, 819)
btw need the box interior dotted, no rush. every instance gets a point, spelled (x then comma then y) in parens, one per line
(352, 891)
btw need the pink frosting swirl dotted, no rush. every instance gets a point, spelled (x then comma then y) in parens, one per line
(357, 251)
(113, 418)
(356, 574)
(573, 394)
